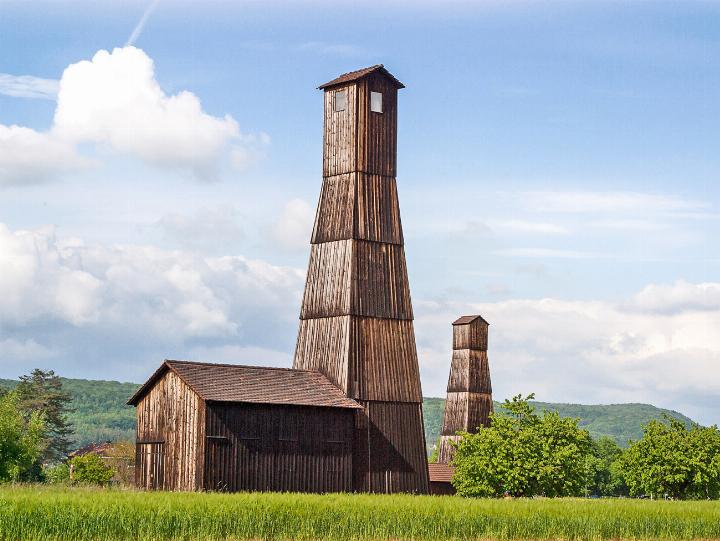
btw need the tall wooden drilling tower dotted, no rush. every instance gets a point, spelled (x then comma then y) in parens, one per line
(469, 391)
(356, 320)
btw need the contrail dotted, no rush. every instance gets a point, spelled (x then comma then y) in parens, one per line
(141, 23)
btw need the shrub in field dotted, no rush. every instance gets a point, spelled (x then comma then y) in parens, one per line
(57, 473)
(21, 436)
(672, 460)
(90, 469)
(522, 453)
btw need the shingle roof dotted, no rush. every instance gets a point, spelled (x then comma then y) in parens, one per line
(464, 320)
(253, 384)
(440, 473)
(359, 74)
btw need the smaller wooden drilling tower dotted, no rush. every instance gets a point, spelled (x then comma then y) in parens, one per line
(469, 392)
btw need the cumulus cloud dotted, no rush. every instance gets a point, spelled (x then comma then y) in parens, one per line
(86, 300)
(293, 227)
(115, 102)
(31, 157)
(114, 99)
(592, 351)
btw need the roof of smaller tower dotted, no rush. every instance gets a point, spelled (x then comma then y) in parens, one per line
(359, 74)
(252, 384)
(465, 320)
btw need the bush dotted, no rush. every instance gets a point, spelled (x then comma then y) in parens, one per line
(57, 473)
(523, 454)
(90, 469)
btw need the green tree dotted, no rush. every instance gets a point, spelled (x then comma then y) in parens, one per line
(605, 473)
(672, 460)
(90, 469)
(21, 438)
(523, 454)
(42, 391)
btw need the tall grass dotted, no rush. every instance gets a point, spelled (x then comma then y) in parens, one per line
(38, 513)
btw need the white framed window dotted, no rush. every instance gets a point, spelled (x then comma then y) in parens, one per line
(340, 100)
(376, 102)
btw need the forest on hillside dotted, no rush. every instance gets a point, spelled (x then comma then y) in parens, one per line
(100, 414)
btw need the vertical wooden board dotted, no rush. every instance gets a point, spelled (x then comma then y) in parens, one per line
(378, 210)
(471, 336)
(479, 372)
(323, 344)
(267, 447)
(396, 460)
(380, 283)
(329, 280)
(456, 413)
(385, 357)
(168, 413)
(336, 209)
(480, 407)
(377, 132)
(446, 452)
(339, 150)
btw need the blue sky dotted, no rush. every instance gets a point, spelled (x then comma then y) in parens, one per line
(557, 171)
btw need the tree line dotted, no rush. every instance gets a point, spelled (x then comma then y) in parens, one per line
(35, 435)
(524, 453)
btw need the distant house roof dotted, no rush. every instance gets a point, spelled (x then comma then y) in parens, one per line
(359, 74)
(464, 320)
(252, 384)
(97, 448)
(440, 473)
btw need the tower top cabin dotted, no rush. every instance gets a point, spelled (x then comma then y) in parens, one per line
(470, 332)
(360, 126)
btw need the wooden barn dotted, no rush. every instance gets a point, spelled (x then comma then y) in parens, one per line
(348, 416)
(228, 427)
(469, 394)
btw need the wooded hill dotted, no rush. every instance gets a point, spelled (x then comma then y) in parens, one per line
(101, 414)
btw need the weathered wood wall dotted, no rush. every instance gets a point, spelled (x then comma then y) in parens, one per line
(356, 316)
(170, 437)
(278, 448)
(469, 392)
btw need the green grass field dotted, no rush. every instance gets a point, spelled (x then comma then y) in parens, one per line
(35, 513)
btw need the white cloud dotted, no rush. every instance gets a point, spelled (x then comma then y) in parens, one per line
(115, 103)
(548, 253)
(604, 202)
(293, 228)
(136, 291)
(679, 297)
(520, 226)
(115, 100)
(593, 351)
(27, 86)
(31, 157)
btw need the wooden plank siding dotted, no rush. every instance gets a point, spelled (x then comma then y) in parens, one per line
(356, 315)
(368, 358)
(263, 447)
(360, 206)
(469, 369)
(469, 390)
(173, 415)
(360, 278)
(395, 460)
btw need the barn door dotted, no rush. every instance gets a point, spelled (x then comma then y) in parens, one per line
(219, 464)
(150, 465)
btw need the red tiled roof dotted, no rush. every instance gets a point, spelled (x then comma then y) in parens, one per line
(464, 320)
(253, 384)
(359, 74)
(440, 473)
